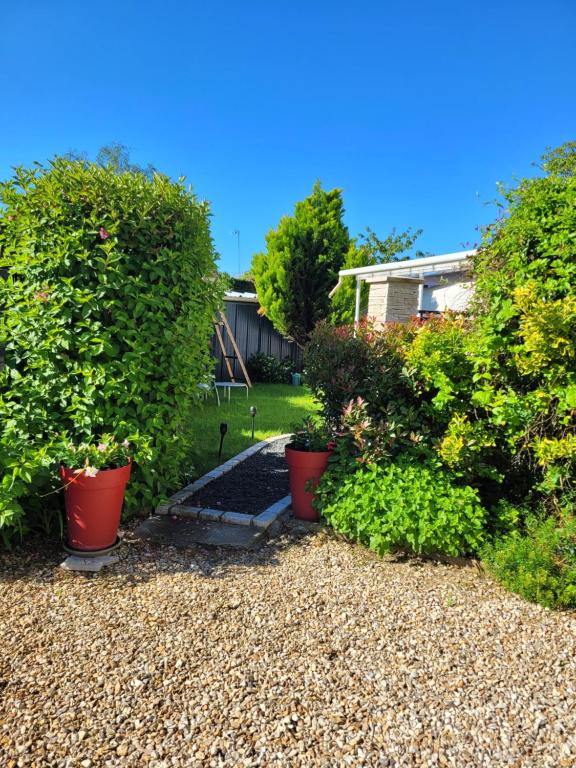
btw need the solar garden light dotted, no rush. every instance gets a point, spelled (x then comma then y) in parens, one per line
(253, 413)
(223, 430)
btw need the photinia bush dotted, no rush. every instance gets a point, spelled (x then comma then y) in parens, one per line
(367, 361)
(106, 317)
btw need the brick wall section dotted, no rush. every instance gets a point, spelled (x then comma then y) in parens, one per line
(393, 299)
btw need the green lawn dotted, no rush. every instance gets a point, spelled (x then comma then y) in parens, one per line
(280, 407)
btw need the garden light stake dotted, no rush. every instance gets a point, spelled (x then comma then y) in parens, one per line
(223, 430)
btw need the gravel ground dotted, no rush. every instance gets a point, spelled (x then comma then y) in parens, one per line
(252, 486)
(307, 652)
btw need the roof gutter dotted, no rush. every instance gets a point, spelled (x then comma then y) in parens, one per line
(409, 265)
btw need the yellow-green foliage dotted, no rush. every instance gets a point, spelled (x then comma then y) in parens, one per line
(526, 330)
(549, 450)
(441, 361)
(463, 440)
(546, 331)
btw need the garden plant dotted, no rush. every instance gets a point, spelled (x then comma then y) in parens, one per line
(267, 369)
(458, 436)
(300, 266)
(94, 477)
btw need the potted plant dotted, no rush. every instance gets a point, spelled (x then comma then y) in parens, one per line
(95, 476)
(307, 456)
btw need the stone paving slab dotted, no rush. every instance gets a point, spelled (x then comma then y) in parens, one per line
(266, 518)
(210, 514)
(88, 564)
(181, 510)
(185, 532)
(236, 518)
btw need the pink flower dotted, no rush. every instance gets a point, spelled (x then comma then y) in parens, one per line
(42, 295)
(102, 447)
(126, 444)
(90, 471)
(104, 234)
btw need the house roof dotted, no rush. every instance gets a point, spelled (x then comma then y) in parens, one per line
(241, 296)
(429, 265)
(241, 290)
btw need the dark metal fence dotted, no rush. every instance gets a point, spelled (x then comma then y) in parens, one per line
(253, 333)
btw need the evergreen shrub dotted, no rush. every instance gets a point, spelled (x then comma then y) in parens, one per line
(538, 563)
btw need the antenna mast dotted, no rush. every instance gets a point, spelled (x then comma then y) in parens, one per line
(236, 233)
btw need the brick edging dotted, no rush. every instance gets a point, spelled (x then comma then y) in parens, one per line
(263, 520)
(174, 507)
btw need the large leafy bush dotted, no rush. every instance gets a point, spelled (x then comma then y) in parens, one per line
(504, 385)
(525, 363)
(403, 506)
(269, 370)
(107, 304)
(347, 362)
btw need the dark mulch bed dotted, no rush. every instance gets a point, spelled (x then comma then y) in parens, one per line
(251, 487)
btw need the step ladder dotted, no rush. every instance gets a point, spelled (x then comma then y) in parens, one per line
(221, 325)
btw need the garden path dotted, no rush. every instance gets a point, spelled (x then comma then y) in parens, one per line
(232, 506)
(251, 486)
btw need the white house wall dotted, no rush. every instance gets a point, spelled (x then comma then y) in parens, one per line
(447, 293)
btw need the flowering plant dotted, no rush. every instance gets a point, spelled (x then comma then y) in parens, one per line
(90, 458)
(313, 435)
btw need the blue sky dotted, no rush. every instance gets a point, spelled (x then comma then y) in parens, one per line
(415, 109)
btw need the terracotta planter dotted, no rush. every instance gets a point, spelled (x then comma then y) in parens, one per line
(305, 469)
(94, 506)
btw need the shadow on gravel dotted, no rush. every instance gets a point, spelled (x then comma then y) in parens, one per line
(38, 560)
(216, 562)
(34, 560)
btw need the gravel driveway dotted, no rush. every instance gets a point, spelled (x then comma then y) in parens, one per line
(306, 652)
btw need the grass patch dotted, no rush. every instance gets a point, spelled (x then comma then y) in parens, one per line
(280, 407)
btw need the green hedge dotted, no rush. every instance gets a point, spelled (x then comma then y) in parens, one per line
(106, 321)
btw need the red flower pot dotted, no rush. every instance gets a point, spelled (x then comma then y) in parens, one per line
(305, 468)
(93, 506)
